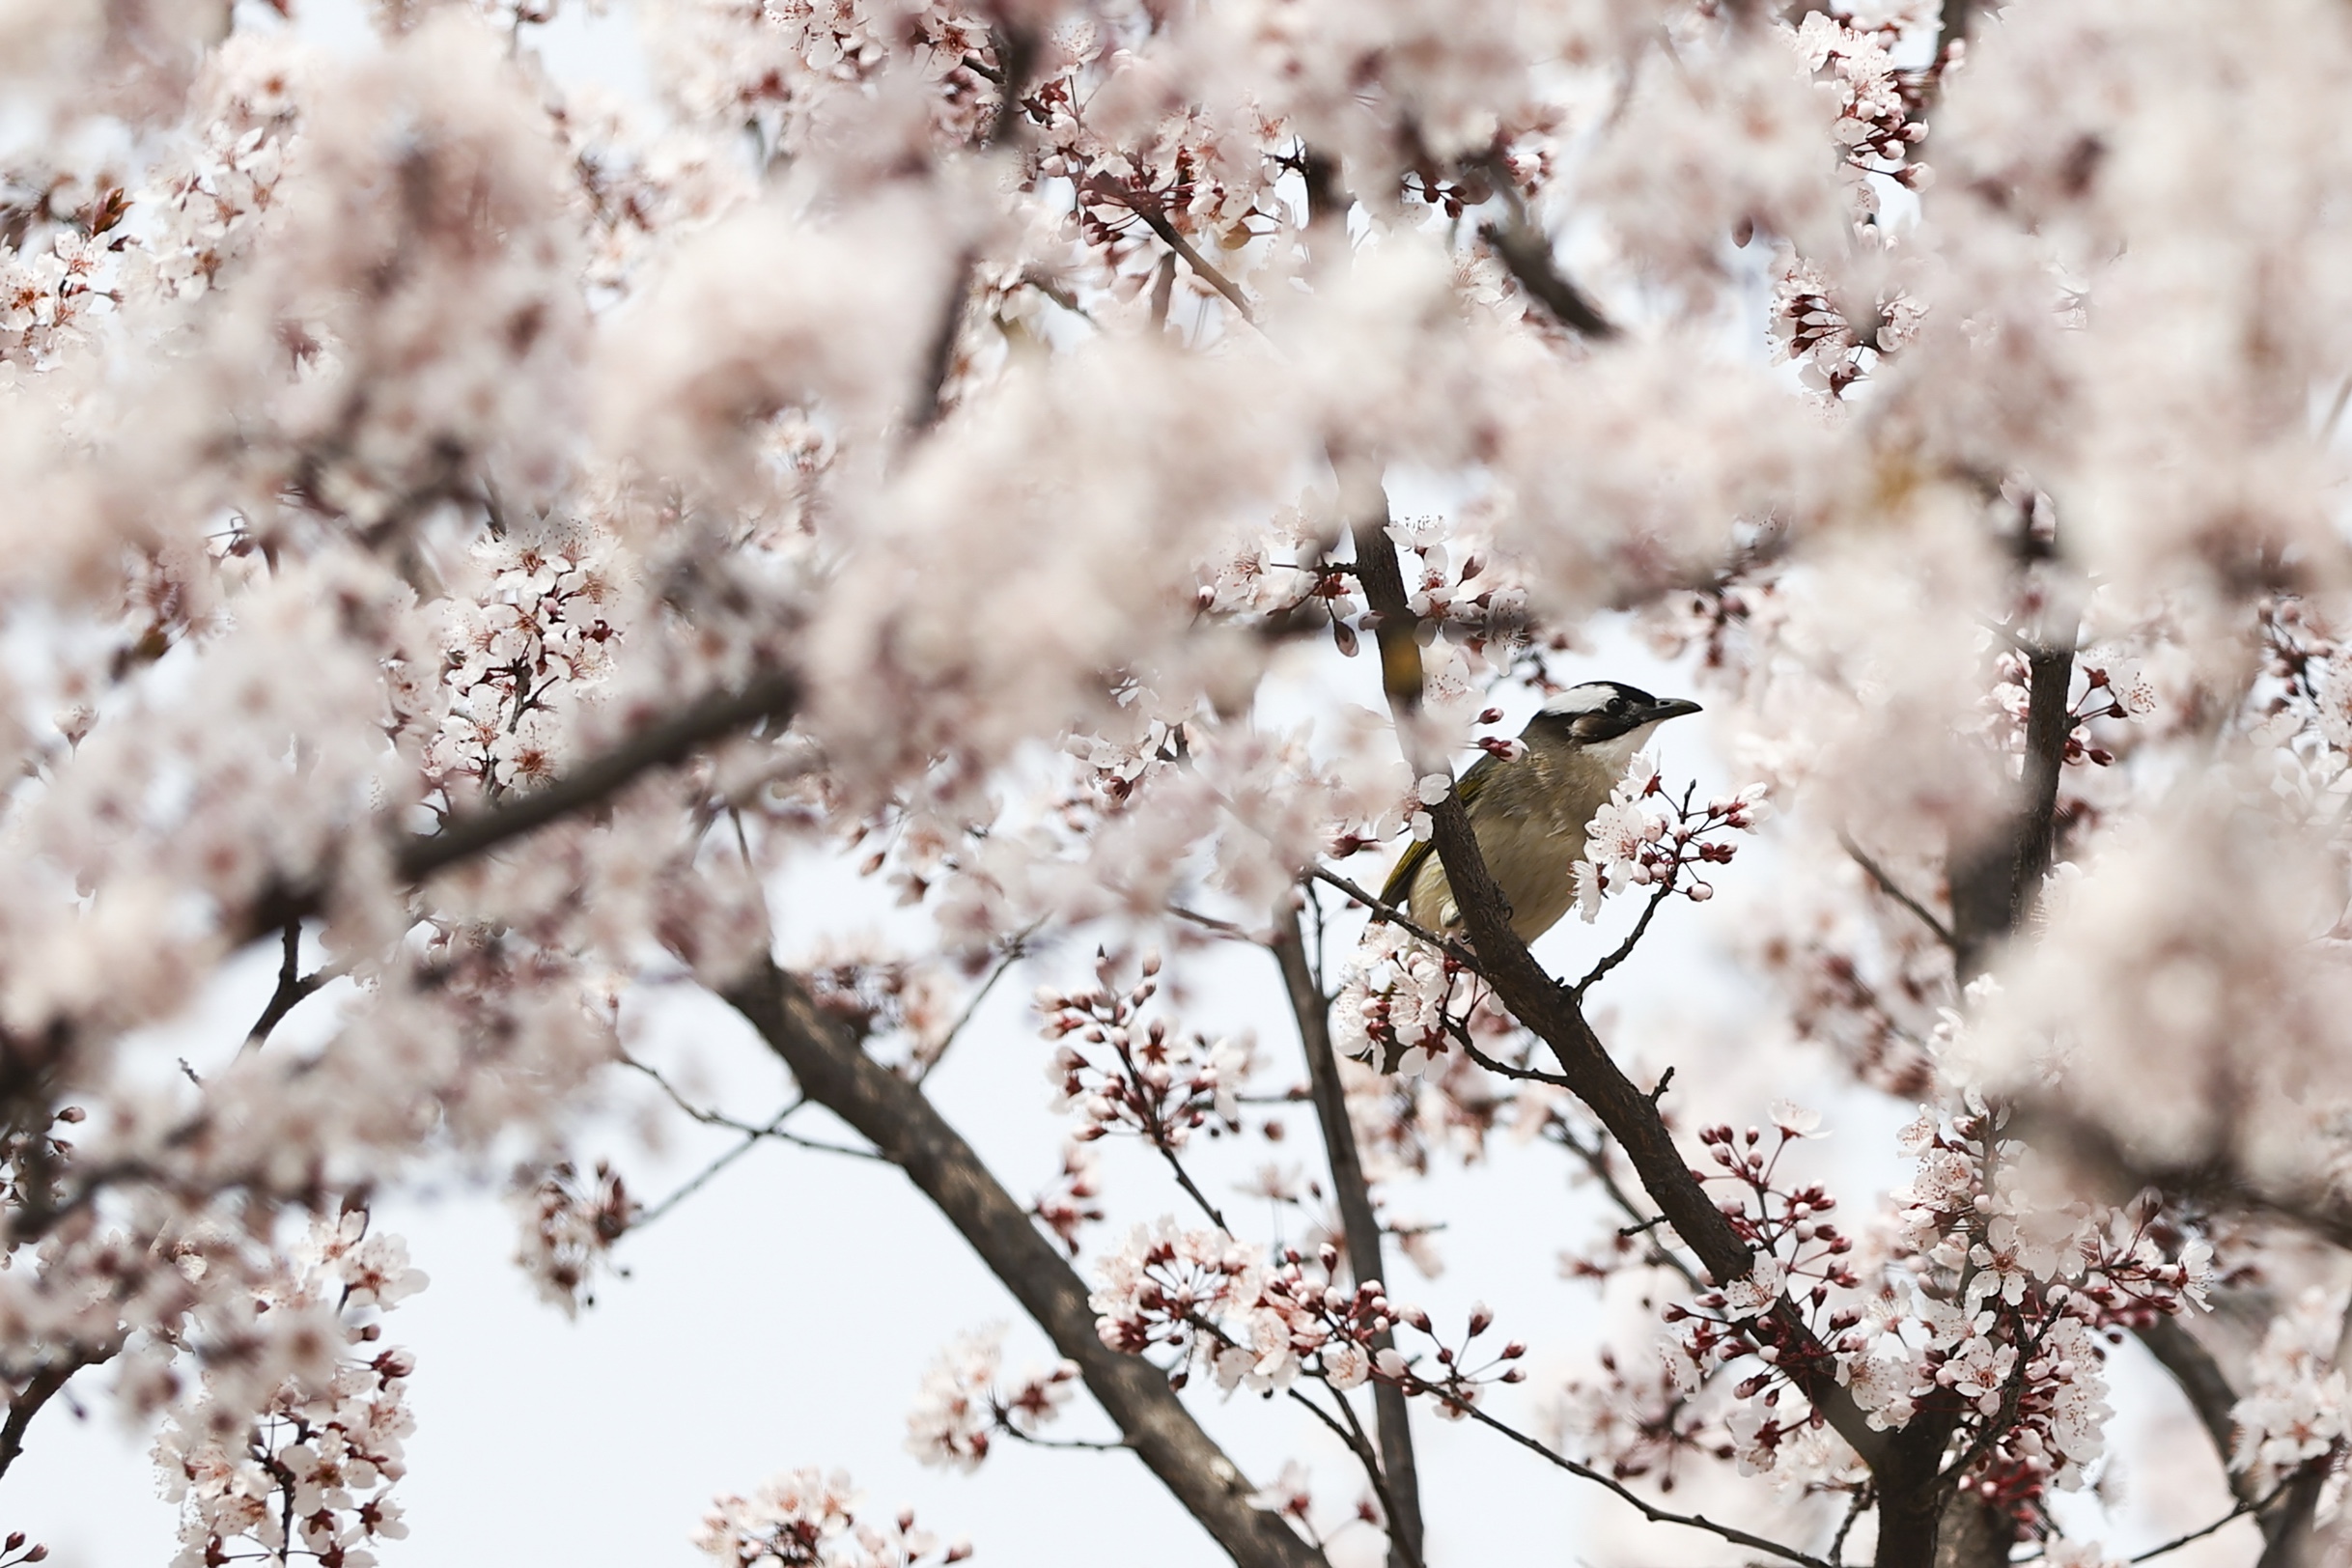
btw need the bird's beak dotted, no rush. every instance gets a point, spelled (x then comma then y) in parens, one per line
(1673, 708)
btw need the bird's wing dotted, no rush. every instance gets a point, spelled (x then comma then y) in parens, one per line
(1397, 890)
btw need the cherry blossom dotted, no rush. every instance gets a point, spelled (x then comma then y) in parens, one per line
(488, 559)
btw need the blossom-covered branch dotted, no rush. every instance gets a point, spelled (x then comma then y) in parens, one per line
(834, 1073)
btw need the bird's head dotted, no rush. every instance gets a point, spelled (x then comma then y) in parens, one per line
(1605, 717)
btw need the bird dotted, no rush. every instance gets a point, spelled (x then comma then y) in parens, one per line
(1529, 812)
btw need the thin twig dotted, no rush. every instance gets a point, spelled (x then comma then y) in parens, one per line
(2243, 1508)
(1090, 1445)
(1596, 1161)
(1397, 917)
(1625, 948)
(752, 1134)
(1887, 886)
(1185, 1181)
(1014, 952)
(1362, 1450)
(703, 1178)
(1649, 1510)
(1500, 1069)
(1845, 1525)
(2238, 1512)
(1209, 922)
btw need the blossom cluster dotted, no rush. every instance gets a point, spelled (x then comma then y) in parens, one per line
(1643, 837)
(538, 635)
(807, 1519)
(1123, 1075)
(1878, 104)
(296, 1435)
(1992, 1307)
(2294, 1409)
(209, 204)
(570, 1223)
(1395, 1005)
(1224, 1306)
(965, 1401)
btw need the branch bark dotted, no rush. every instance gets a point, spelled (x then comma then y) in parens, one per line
(1527, 250)
(2285, 1515)
(1993, 886)
(1147, 208)
(899, 1122)
(2202, 1379)
(1994, 883)
(1389, 1406)
(39, 1389)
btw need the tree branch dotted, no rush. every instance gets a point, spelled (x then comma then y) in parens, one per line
(941, 358)
(2244, 1507)
(834, 1072)
(1351, 1435)
(2206, 1387)
(1527, 250)
(1633, 939)
(43, 1386)
(2290, 1513)
(1995, 882)
(772, 695)
(1550, 1011)
(293, 986)
(1649, 1510)
(1312, 1008)
(1392, 915)
(1144, 206)
(1887, 886)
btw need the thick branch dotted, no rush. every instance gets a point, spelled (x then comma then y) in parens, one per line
(1994, 882)
(891, 1112)
(43, 1386)
(941, 358)
(2202, 1379)
(1389, 1406)
(1546, 1007)
(1527, 250)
